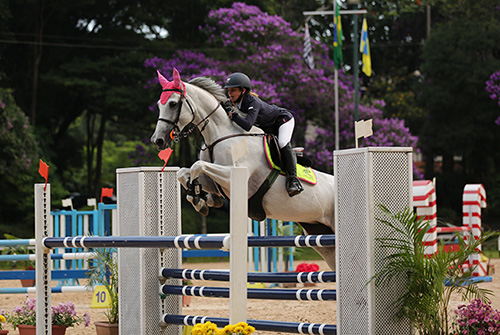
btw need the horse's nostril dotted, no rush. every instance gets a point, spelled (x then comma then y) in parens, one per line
(159, 142)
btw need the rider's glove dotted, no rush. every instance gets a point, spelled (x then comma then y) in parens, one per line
(228, 107)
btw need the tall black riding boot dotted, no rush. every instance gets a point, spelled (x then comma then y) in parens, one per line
(293, 185)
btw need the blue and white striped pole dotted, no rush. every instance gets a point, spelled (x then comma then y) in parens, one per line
(185, 241)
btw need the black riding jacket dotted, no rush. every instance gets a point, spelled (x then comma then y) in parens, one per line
(261, 114)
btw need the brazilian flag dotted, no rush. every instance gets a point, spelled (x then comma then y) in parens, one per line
(337, 38)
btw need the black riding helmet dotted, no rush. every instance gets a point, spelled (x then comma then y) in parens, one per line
(238, 79)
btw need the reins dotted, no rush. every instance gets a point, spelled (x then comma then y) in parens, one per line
(211, 146)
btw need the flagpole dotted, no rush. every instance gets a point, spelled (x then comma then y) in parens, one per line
(337, 137)
(355, 63)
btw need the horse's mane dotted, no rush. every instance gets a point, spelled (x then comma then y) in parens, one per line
(211, 86)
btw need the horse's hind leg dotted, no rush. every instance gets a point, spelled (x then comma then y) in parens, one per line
(328, 253)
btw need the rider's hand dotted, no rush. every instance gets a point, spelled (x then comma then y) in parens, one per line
(228, 107)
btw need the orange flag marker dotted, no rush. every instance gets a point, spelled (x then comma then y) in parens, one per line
(165, 156)
(43, 170)
(106, 192)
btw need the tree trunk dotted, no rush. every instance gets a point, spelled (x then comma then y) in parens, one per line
(448, 163)
(429, 165)
(37, 57)
(90, 151)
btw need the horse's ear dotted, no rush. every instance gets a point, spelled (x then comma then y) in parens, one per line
(163, 81)
(177, 78)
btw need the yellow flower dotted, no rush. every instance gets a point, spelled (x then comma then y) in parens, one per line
(209, 328)
(238, 329)
(2, 318)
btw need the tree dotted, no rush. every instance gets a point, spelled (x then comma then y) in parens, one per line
(20, 152)
(460, 55)
(79, 59)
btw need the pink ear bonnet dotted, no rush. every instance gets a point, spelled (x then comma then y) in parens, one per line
(175, 84)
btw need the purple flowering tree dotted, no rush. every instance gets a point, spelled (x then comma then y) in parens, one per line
(267, 49)
(493, 88)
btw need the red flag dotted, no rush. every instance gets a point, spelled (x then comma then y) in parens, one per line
(43, 170)
(106, 192)
(165, 155)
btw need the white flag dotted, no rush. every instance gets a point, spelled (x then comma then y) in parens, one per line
(362, 129)
(67, 203)
(91, 202)
(308, 57)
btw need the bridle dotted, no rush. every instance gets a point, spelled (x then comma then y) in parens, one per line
(176, 135)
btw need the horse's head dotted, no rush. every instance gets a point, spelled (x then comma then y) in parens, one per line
(170, 107)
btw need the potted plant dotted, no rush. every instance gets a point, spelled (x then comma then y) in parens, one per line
(430, 281)
(104, 271)
(23, 317)
(476, 318)
(2, 320)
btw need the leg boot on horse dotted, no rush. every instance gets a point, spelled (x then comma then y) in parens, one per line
(289, 159)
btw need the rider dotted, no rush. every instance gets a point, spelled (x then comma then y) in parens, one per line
(270, 118)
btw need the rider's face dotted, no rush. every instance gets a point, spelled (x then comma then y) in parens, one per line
(234, 93)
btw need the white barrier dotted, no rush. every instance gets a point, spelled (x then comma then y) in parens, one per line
(424, 199)
(474, 198)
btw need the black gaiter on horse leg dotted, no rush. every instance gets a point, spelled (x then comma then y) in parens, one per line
(293, 185)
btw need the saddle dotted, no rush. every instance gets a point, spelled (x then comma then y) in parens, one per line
(272, 151)
(304, 170)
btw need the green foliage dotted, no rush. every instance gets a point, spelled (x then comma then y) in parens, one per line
(460, 55)
(18, 165)
(397, 88)
(104, 271)
(426, 299)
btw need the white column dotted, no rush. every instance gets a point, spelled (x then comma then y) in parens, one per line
(43, 228)
(238, 245)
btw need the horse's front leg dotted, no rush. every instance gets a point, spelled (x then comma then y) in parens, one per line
(218, 174)
(201, 191)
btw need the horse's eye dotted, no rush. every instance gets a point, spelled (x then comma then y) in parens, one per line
(172, 104)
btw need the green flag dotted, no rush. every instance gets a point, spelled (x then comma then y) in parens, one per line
(337, 38)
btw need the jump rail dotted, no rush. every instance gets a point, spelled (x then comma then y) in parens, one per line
(262, 277)
(252, 293)
(185, 241)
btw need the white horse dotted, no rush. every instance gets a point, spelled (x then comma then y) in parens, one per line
(196, 104)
